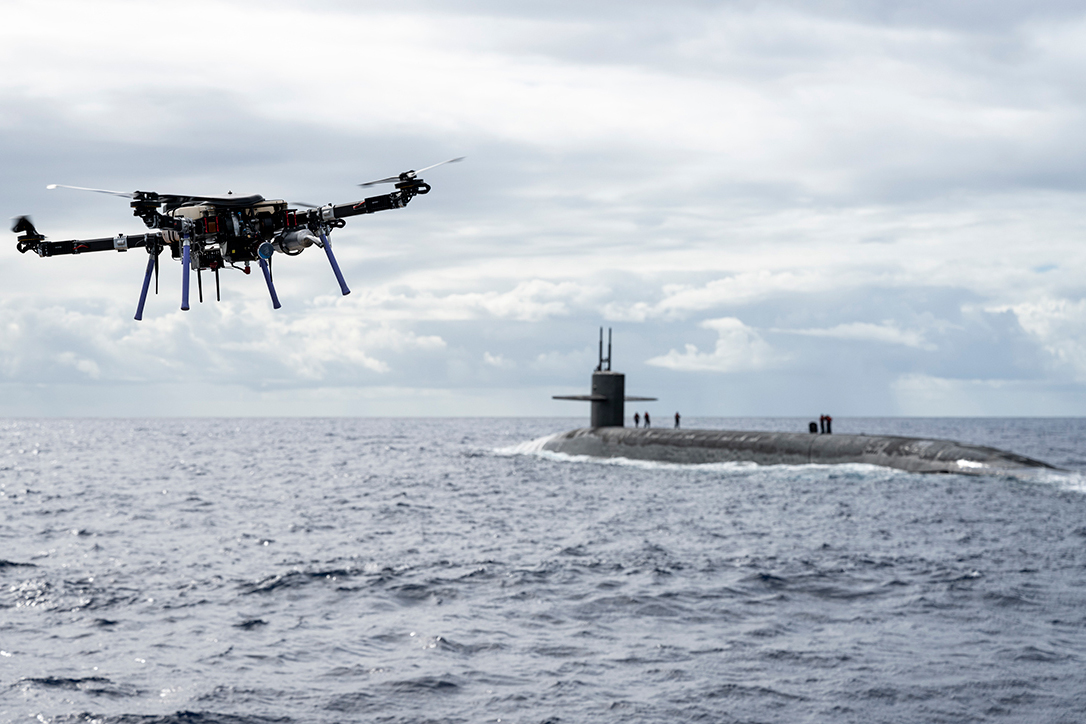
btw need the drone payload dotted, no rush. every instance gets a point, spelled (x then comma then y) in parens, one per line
(219, 232)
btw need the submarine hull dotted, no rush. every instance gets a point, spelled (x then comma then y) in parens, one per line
(788, 448)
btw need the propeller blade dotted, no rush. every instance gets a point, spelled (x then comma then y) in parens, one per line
(227, 200)
(302, 204)
(28, 235)
(451, 160)
(389, 180)
(411, 174)
(170, 199)
(23, 223)
(123, 194)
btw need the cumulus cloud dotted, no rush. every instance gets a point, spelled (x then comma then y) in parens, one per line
(497, 360)
(1059, 326)
(886, 332)
(738, 349)
(930, 396)
(246, 344)
(678, 300)
(628, 162)
(531, 300)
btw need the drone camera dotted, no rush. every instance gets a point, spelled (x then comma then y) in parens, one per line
(294, 241)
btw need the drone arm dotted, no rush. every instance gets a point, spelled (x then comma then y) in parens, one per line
(341, 211)
(395, 200)
(79, 246)
(146, 206)
(369, 206)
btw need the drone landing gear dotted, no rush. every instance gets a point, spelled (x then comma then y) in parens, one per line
(332, 260)
(271, 287)
(185, 264)
(152, 265)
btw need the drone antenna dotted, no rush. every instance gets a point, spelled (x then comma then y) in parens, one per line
(608, 349)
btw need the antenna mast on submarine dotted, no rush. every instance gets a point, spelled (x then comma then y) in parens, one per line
(599, 367)
(608, 396)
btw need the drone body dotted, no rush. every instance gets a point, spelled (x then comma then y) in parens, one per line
(210, 233)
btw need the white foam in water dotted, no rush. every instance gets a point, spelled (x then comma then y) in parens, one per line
(531, 447)
(970, 464)
(536, 448)
(1069, 480)
(643, 464)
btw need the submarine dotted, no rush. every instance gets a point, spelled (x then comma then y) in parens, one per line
(608, 437)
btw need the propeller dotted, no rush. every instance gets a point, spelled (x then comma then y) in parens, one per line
(23, 223)
(409, 175)
(123, 194)
(28, 235)
(172, 200)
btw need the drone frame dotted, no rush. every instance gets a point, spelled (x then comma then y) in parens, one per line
(212, 232)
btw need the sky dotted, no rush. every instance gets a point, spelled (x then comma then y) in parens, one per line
(780, 208)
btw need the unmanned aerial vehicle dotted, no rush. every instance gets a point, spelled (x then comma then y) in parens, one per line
(210, 233)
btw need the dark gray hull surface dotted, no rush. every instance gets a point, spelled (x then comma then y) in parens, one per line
(788, 448)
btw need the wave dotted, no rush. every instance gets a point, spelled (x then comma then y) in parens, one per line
(531, 447)
(93, 685)
(14, 564)
(1069, 480)
(180, 717)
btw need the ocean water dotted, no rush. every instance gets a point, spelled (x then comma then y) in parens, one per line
(436, 570)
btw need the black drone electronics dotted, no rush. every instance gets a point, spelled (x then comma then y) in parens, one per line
(216, 232)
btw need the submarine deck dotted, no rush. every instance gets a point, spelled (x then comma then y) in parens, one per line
(789, 448)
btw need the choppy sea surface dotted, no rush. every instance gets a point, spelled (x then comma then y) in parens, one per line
(446, 570)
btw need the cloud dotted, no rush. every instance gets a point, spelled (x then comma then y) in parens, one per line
(1059, 326)
(564, 363)
(738, 348)
(497, 360)
(244, 344)
(87, 366)
(743, 288)
(886, 332)
(930, 396)
(532, 300)
(629, 163)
